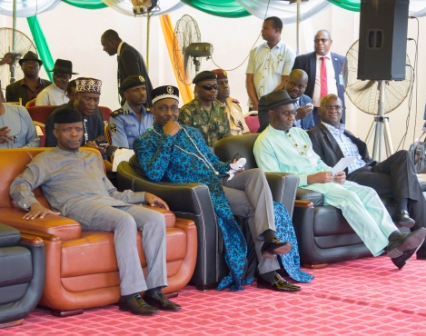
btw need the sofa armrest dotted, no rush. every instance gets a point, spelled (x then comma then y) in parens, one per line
(283, 187)
(309, 195)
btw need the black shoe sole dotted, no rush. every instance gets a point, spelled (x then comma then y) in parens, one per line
(412, 242)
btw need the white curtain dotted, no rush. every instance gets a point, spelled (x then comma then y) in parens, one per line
(25, 8)
(126, 7)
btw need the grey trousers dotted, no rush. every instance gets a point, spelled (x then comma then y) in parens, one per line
(249, 195)
(124, 222)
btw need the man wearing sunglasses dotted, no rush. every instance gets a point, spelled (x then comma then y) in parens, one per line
(204, 112)
(324, 72)
(394, 177)
(55, 93)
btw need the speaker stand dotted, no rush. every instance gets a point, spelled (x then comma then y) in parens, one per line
(380, 127)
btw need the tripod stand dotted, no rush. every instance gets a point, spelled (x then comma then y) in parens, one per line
(380, 126)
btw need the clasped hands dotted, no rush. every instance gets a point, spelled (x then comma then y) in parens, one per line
(325, 177)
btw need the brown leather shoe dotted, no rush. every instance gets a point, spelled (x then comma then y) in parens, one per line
(160, 301)
(270, 250)
(137, 306)
(280, 285)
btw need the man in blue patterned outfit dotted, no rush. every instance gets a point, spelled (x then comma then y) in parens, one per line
(177, 153)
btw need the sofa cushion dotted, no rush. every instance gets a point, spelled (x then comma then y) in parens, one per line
(9, 236)
(15, 265)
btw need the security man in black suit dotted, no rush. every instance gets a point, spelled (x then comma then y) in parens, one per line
(394, 177)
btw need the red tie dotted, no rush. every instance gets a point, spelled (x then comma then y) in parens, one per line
(324, 90)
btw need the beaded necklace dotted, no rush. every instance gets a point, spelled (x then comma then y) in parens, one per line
(302, 151)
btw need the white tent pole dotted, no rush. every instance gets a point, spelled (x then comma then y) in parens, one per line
(297, 26)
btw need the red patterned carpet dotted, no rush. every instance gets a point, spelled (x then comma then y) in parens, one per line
(366, 296)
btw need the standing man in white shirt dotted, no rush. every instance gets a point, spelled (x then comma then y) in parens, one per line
(56, 93)
(324, 72)
(269, 64)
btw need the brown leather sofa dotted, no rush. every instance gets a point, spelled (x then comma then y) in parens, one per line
(81, 268)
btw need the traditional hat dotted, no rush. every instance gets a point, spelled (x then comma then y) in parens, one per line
(221, 74)
(88, 85)
(63, 66)
(274, 99)
(132, 81)
(30, 56)
(67, 115)
(163, 92)
(203, 76)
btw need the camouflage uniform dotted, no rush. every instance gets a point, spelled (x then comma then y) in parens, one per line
(213, 127)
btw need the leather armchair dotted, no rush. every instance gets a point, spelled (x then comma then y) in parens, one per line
(23, 267)
(81, 268)
(323, 234)
(193, 201)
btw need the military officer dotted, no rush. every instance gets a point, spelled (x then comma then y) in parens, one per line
(204, 112)
(132, 119)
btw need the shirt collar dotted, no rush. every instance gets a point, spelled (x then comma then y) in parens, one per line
(24, 82)
(278, 45)
(328, 55)
(333, 129)
(119, 48)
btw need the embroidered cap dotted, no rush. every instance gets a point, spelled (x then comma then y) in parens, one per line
(163, 92)
(274, 99)
(88, 85)
(220, 73)
(203, 76)
(132, 81)
(67, 115)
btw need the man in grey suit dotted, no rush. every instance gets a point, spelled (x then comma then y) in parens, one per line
(130, 61)
(313, 64)
(74, 183)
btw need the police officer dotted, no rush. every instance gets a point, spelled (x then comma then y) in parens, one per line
(132, 119)
(204, 112)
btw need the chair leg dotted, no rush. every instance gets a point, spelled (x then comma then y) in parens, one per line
(11, 323)
(317, 266)
(66, 313)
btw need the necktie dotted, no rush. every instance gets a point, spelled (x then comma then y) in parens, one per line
(324, 89)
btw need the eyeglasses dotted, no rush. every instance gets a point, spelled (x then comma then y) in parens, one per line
(60, 76)
(333, 107)
(321, 40)
(164, 109)
(209, 87)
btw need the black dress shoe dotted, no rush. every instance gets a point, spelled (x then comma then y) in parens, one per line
(269, 250)
(280, 285)
(406, 242)
(402, 218)
(160, 301)
(401, 261)
(136, 305)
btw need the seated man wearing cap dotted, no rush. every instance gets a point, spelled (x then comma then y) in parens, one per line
(17, 128)
(55, 93)
(204, 112)
(75, 186)
(284, 148)
(295, 87)
(232, 106)
(88, 91)
(131, 120)
(178, 153)
(31, 85)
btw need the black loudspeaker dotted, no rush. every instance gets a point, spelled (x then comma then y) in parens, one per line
(383, 39)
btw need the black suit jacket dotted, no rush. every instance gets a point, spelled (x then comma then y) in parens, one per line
(131, 62)
(15, 91)
(308, 63)
(324, 144)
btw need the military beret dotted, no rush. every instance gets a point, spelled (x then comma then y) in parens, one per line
(163, 92)
(220, 73)
(203, 76)
(132, 81)
(67, 115)
(274, 99)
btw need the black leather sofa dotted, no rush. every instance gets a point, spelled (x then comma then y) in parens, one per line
(22, 274)
(193, 201)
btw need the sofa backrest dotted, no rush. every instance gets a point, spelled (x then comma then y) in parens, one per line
(228, 147)
(12, 163)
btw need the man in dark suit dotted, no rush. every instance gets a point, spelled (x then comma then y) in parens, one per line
(394, 177)
(313, 64)
(31, 85)
(295, 87)
(130, 61)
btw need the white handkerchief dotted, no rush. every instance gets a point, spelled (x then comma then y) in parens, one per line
(235, 167)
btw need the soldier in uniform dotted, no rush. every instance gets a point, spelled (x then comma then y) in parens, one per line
(131, 120)
(204, 112)
(232, 105)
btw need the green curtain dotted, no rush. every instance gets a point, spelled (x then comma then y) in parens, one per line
(352, 5)
(224, 8)
(86, 4)
(41, 44)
